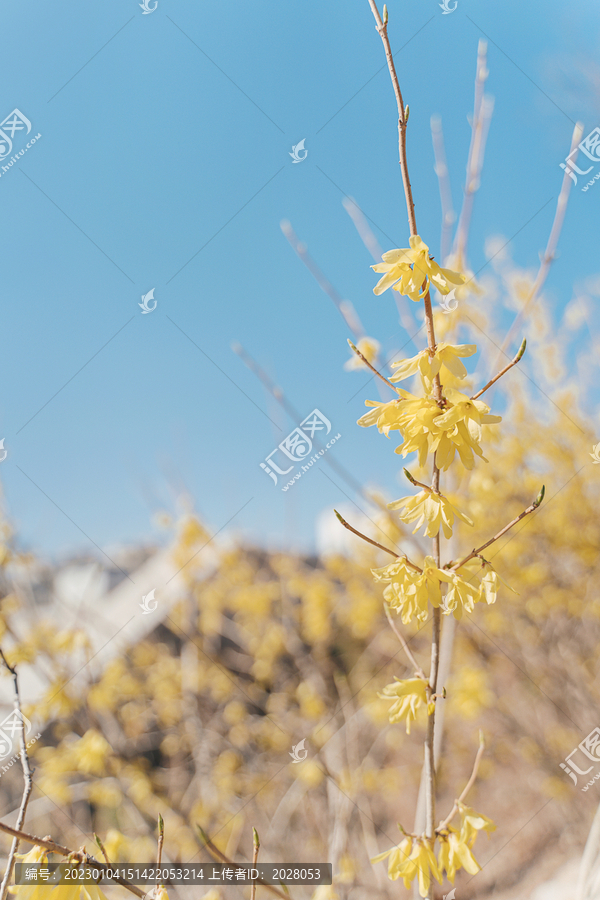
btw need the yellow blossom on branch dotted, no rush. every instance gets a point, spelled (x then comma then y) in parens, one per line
(435, 509)
(446, 359)
(410, 271)
(411, 859)
(408, 696)
(410, 590)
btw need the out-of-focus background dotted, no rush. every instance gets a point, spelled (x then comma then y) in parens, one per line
(134, 437)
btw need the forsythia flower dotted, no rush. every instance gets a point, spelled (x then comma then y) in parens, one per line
(369, 348)
(409, 591)
(455, 846)
(463, 595)
(410, 859)
(446, 359)
(410, 271)
(408, 696)
(427, 428)
(454, 854)
(433, 508)
(471, 822)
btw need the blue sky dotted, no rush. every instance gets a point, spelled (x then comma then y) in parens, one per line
(164, 163)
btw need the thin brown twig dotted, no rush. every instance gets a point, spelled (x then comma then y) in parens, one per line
(503, 371)
(371, 367)
(255, 849)
(161, 839)
(220, 857)
(536, 503)
(102, 850)
(79, 855)
(418, 670)
(27, 778)
(468, 785)
(375, 543)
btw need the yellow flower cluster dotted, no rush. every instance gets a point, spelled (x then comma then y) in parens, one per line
(414, 858)
(445, 362)
(407, 698)
(434, 509)
(428, 429)
(410, 271)
(410, 589)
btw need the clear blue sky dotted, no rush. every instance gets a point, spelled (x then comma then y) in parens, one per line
(164, 163)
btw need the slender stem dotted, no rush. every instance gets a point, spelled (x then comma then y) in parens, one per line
(503, 371)
(468, 785)
(255, 849)
(220, 857)
(372, 368)
(27, 778)
(437, 393)
(418, 670)
(53, 847)
(473, 553)
(102, 850)
(410, 205)
(374, 543)
(161, 838)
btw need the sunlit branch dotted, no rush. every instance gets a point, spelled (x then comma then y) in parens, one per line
(371, 367)
(418, 670)
(73, 855)
(503, 371)
(455, 566)
(375, 543)
(468, 785)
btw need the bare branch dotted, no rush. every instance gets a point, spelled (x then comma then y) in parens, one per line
(468, 785)
(503, 371)
(473, 553)
(368, 364)
(418, 670)
(220, 857)
(76, 855)
(374, 543)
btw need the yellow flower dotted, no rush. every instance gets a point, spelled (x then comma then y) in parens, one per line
(461, 597)
(384, 415)
(409, 591)
(410, 271)
(471, 822)
(455, 854)
(408, 697)
(433, 508)
(445, 361)
(369, 348)
(477, 588)
(410, 859)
